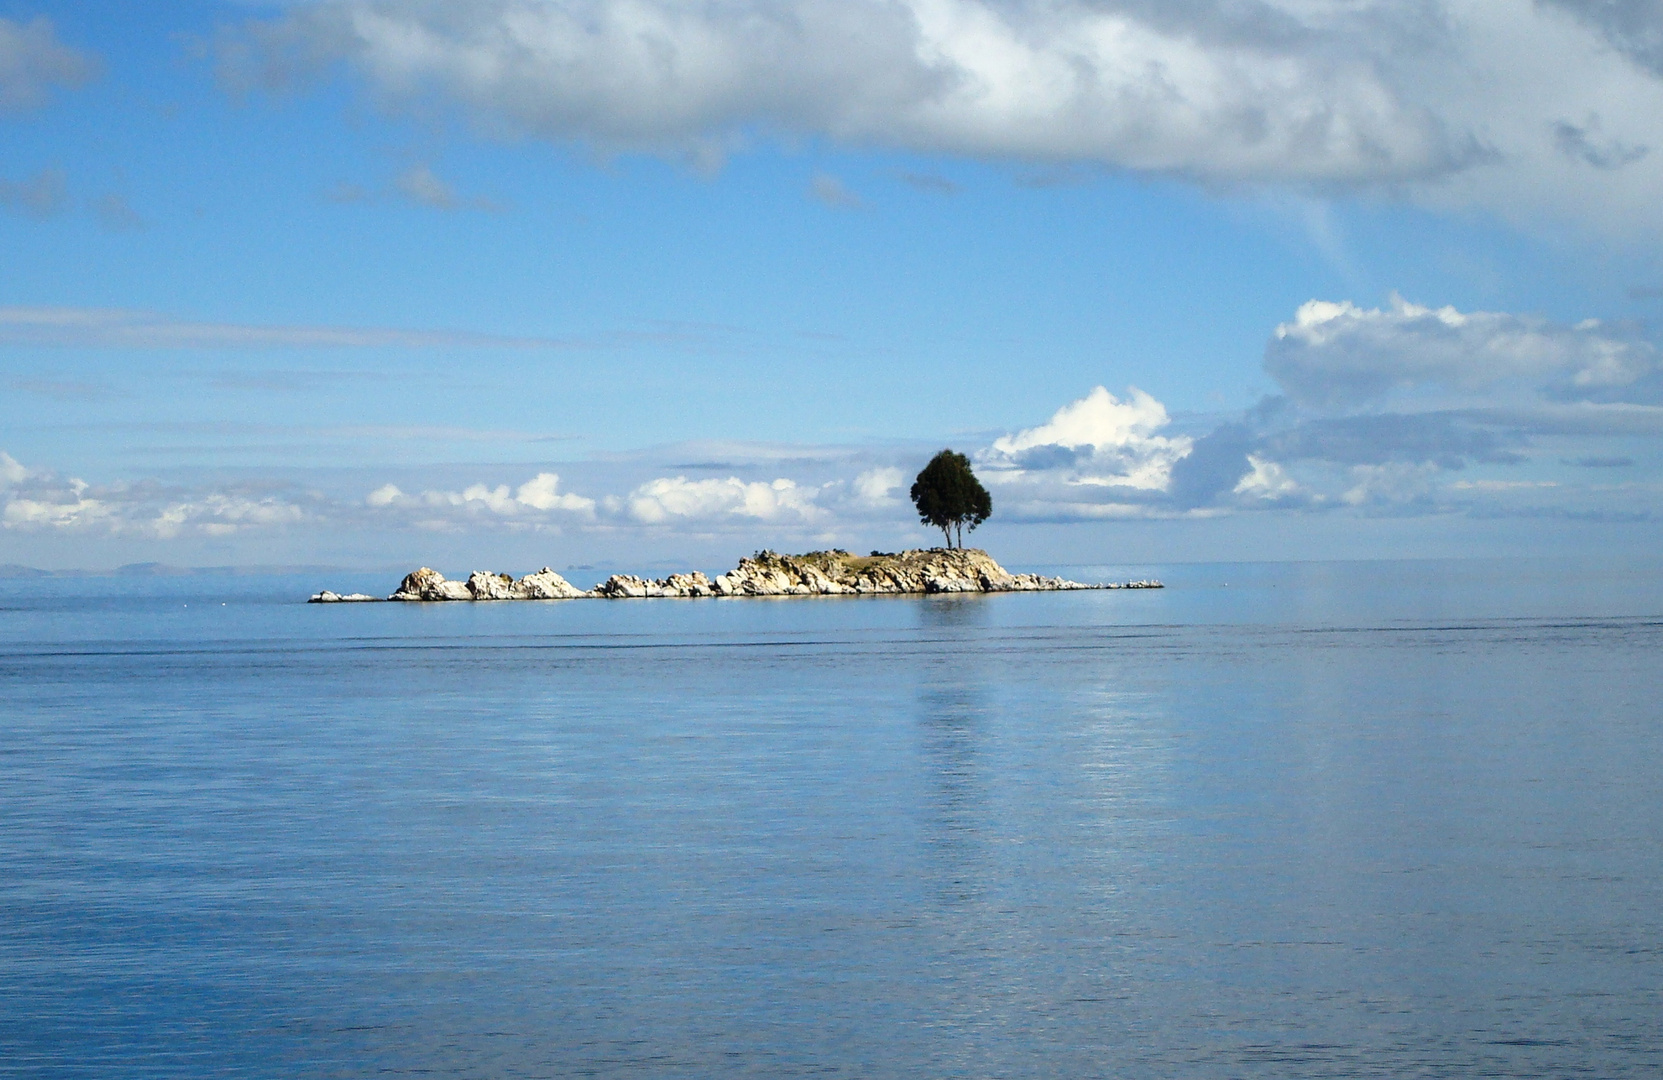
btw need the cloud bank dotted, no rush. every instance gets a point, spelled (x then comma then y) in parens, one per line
(1402, 409)
(1510, 105)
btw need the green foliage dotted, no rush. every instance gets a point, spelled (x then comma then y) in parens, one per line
(948, 496)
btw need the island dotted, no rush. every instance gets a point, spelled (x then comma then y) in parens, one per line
(767, 573)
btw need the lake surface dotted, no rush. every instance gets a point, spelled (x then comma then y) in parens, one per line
(1346, 819)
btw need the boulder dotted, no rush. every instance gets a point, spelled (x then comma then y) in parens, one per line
(485, 585)
(545, 584)
(427, 584)
(327, 597)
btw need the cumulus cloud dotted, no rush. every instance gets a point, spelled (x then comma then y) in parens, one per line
(542, 492)
(1099, 440)
(1339, 355)
(874, 487)
(1511, 105)
(541, 495)
(1380, 404)
(678, 499)
(33, 62)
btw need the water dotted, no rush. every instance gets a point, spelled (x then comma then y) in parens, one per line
(1390, 819)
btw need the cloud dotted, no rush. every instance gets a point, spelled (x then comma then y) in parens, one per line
(1338, 356)
(1632, 27)
(542, 492)
(537, 497)
(1265, 480)
(930, 182)
(33, 62)
(1585, 144)
(421, 185)
(1513, 106)
(1099, 440)
(1255, 92)
(116, 214)
(830, 190)
(680, 500)
(65, 389)
(116, 328)
(42, 196)
(34, 500)
(874, 486)
(10, 471)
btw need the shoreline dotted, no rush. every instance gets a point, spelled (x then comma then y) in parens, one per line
(835, 572)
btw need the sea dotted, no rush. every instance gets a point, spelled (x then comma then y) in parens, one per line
(1350, 819)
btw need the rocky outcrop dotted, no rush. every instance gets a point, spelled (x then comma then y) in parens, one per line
(829, 573)
(327, 597)
(427, 584)
(838, 573)
(628, 586)
(767, 573)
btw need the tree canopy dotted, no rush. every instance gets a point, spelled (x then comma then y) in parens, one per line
(948, 496)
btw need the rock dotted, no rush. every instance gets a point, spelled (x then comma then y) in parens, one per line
(427, 584)
(545, 584)
(327, 597)
(628, 586)
(484, 585)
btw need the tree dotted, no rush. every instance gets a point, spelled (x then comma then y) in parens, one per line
(949, 496)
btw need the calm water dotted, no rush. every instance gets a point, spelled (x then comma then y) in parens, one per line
(1275, 821)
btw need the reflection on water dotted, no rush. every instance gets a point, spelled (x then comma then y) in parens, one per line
(955, 798)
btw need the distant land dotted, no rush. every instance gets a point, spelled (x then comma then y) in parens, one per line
(152, 569)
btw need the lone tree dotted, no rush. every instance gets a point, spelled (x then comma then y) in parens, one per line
(949, 496)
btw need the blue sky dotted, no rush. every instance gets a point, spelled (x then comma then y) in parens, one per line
(364, 282)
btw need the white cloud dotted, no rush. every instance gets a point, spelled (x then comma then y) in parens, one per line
(35, 500)
(680, 499)
(1281, 94)
(538, 496)
(1098, 440)
(11, 472)
(222, 515)
(873, 486)
(1393, 482)
(1265, 481)
(1509, 105)
(1338, 355)
(385, 495)
(33, 61)
(542, 492)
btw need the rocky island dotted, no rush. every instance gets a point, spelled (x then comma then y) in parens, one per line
(767, 573)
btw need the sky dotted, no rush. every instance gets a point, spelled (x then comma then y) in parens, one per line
(656, 283)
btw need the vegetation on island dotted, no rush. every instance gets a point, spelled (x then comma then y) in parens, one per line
(948, 496)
